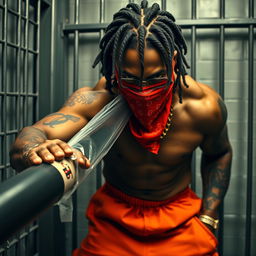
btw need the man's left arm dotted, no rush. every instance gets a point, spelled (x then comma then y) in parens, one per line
(215, 166)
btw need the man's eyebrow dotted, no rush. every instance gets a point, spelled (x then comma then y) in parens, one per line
(156, 74)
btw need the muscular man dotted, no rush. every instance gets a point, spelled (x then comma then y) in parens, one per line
(146, 206)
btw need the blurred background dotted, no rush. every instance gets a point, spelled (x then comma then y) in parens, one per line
(47, 48)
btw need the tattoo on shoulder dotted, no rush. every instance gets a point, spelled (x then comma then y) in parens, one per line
(60, 118)
(86, 97)
(223, 109)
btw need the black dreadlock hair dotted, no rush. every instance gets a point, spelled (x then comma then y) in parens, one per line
(144, 25)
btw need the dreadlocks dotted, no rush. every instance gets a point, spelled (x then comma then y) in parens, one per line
(144, 25)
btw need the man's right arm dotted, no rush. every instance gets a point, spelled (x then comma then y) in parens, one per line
(45, 141)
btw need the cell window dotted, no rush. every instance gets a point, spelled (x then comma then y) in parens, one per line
(208, 9)
(22, 112)
(32, 35)
(31, 114)
(1, 67)
(11, 69)
(2, 119)
(23, 33)
(13, 4)
(22, 71)
(236, 9)
(179, 9)
(1, 23)
(12, 28)
(23, 8)
(32, 71)
(33, 12)
(12, 114)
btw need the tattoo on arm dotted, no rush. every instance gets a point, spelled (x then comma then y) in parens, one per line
(60, 118)
(30, 137)
(82, 98)
(215, 186)
(216, 166)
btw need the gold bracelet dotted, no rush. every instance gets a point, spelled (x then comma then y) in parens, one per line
(209, 220)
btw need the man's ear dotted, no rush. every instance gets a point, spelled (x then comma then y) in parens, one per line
(175, 53)
(174, 59)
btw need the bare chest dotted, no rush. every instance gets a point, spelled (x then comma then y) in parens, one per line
(179, 143)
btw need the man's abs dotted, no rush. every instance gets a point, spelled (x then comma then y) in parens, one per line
(142, 174)
(147, 181)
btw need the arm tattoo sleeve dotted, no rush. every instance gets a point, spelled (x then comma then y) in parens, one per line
(215, 183)
(216, 166)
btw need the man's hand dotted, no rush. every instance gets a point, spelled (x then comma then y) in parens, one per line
(32, 148)
(53, 150)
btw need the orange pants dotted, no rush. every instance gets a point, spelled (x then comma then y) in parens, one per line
(121, 225)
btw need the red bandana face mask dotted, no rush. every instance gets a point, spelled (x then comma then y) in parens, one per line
(150, 104)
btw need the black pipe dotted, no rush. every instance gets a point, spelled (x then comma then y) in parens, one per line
(26, 195)
(198, 23)
(222, 94)
(249, 183)
(193, 74)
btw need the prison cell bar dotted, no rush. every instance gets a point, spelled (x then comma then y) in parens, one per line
(198, 23)
(102, 19)
(163, 5)
(193, 74)
(221, 92)
(250, 133)
(4, 102)
(26, 64)
(19, 94)
(75, 87)
(52, 63)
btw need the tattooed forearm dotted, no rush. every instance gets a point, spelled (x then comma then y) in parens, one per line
(27, 138)
(82, 97)
(60, 118)
(216, 187)
(216, 176)
(33, 134)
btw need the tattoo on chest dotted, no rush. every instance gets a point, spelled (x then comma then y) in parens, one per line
(82, 98)
(60, 118)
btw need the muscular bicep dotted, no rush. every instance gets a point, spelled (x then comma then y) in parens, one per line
(216, 144)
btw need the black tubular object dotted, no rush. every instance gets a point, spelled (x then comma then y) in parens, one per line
(26, 195)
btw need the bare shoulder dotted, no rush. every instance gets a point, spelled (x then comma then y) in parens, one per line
(88, 101)
(205, 106)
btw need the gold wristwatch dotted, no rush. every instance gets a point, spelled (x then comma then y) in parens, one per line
(209, 220)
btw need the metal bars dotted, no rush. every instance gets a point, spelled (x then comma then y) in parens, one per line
(221, 92)
(19, 84)
(75, 87)
(193, 74)
(250, 133)
(102, 19)
(198, 23)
